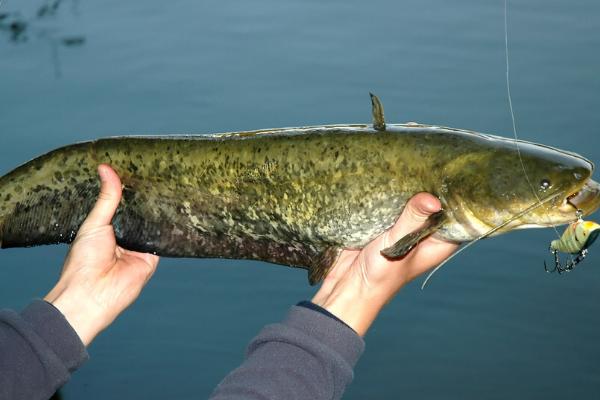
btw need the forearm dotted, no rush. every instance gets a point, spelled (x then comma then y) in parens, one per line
(38, 352)
(86, 317)
(308, 356)
(356, 304)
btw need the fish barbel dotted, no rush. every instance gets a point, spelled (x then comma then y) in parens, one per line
(293, 196)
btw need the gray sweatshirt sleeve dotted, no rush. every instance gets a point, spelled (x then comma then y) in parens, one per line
(38, 352)
(308, 356)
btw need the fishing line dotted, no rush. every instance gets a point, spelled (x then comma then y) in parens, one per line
(512, 113)
(514, 127)
(492, 231)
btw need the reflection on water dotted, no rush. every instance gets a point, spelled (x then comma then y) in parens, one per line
(49, 8)
(21, 29)
(14, 25)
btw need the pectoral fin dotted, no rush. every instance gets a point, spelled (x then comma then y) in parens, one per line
(406, 244)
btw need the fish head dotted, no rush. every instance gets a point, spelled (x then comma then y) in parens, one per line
(560, 179)
(536, 186)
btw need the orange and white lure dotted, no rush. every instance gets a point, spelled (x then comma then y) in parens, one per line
(575, 240)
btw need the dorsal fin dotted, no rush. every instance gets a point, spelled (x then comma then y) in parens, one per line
(378, 118)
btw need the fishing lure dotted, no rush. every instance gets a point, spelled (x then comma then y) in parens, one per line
(580, 234)
(575, 240)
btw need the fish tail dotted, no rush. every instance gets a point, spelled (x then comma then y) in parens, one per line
(37, 199)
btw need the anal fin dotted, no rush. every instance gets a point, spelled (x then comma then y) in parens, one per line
(319, 269)
(408, 242)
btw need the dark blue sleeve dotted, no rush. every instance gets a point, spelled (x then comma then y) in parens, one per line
(38, 352)
(310, 355)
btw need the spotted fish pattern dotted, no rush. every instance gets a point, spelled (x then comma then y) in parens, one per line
(294, 196)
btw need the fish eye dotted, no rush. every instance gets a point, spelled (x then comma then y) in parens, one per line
(545, 184)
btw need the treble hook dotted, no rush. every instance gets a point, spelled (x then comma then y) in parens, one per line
(569, 265)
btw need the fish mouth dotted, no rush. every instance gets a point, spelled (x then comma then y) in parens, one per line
(587, 199)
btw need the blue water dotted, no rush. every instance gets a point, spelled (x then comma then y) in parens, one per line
(491, 324)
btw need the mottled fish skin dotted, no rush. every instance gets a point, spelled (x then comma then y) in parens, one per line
(293, 196)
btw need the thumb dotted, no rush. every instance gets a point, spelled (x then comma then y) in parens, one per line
(108, 199)
(415, 213)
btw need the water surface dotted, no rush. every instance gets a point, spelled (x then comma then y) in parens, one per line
(491, 325)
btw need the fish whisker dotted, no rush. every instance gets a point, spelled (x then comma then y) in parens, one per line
(495, 229)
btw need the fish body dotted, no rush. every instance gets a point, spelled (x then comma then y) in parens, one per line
(293, 196)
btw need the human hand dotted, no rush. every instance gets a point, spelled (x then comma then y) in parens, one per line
(362, 281)
(100, 279)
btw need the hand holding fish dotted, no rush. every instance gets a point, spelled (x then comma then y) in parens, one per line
(100, 279)
(363, 281)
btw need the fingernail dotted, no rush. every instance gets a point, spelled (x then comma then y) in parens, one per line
(102, 172)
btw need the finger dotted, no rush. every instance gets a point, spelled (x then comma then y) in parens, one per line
(148, 258)
(415, 213)
(343, 262)
(149, 262)
(108, 199)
